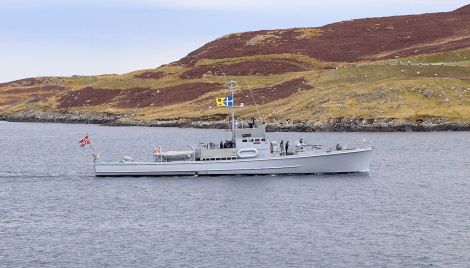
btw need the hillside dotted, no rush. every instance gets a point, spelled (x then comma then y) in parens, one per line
(393, 73)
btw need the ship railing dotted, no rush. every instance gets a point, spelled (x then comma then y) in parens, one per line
(310, 147)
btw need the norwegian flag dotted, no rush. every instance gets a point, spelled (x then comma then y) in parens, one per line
(85, 141)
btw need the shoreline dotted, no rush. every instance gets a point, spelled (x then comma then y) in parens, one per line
(334, 125)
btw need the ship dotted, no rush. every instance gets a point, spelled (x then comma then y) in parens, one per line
(249, 151)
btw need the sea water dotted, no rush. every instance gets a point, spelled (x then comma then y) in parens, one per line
(411, 210)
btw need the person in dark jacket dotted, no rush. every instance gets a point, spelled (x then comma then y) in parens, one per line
(287, 146)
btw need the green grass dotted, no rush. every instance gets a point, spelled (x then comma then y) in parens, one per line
(408, 89)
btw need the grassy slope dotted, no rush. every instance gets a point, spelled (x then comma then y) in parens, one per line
(418, 87)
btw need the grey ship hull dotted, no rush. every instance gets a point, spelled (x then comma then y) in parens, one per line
(346, 161)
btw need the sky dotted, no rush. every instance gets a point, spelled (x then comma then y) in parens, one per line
(89, 37)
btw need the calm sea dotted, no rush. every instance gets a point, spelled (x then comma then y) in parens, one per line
(411, 210)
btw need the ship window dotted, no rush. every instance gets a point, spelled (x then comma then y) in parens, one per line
(251, 140)
(246, 135)
(263, 139)
(257, 139)
(244, 140)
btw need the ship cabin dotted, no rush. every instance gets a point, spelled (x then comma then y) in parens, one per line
(251, 142)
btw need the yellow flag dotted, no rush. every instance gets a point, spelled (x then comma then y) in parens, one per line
(220, 101)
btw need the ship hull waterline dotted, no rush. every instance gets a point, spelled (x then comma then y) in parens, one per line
(346, 161)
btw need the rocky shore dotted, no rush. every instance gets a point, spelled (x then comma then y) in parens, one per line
(333, 125)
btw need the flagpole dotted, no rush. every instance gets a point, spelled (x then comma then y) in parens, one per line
(93, 152)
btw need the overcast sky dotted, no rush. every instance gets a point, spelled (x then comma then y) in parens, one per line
(85, 37)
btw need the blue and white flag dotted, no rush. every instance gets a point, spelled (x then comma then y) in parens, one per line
(225, 101)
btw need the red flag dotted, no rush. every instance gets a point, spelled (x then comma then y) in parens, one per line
(85, 141)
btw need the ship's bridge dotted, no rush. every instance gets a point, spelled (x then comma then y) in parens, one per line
(247, 138)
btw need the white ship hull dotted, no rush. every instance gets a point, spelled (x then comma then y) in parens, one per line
(346, 161)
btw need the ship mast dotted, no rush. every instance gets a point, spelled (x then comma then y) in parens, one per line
(232, 85)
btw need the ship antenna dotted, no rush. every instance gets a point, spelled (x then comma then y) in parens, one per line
(256, 104)
(225, 77)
